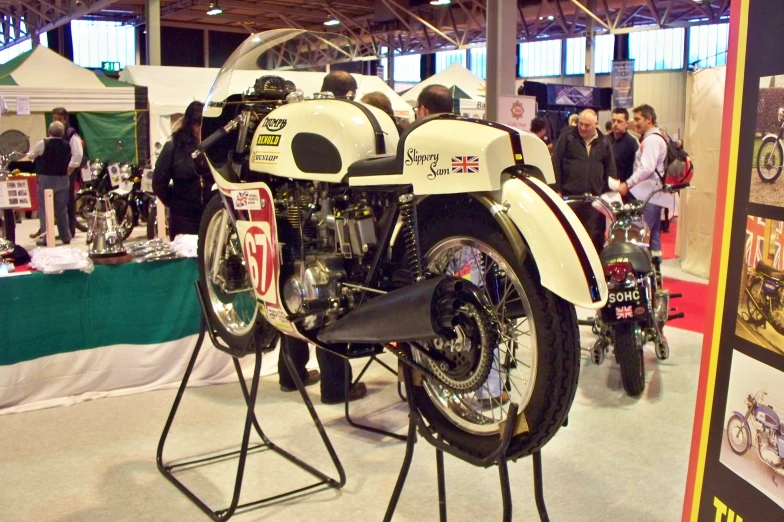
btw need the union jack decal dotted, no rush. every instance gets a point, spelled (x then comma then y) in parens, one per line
(241, 199)
(623, 312)
(465, 164)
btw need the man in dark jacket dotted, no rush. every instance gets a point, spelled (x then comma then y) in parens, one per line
(583, 160)
(52, 156)
(624, 144)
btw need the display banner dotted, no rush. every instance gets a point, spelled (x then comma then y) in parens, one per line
(517, 111)
(15, 194)
(736, 469)
(571, 95)
(472, 108)
(623, 84)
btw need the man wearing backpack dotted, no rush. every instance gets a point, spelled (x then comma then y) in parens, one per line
(649, 169)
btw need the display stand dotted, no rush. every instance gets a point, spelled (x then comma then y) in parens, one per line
(497, 457)
(168, 471)
(347, 386)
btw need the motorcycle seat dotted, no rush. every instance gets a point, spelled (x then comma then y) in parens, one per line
(769, 271)
(639, 258)
(385, 165)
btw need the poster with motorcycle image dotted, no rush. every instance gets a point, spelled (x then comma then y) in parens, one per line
(736, 469)
(754, 443)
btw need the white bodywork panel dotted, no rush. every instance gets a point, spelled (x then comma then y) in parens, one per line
(559, 265)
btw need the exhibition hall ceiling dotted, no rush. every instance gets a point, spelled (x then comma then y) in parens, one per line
(409, 26)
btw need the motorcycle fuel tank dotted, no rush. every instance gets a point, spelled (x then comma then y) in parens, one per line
(767, 417)
(318, 139)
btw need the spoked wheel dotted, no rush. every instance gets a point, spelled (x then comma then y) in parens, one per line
(770, 160)
(126, 217)
(85, 204)
(738, 435)
(629, 352)
(224, 281)
(532, 345)
(754, 300)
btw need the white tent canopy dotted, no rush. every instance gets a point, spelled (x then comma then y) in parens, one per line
(171, 89)
(455, 74)
(50, 80)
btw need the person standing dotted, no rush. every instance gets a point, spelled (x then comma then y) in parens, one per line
(583, 161)
(380, 101)
(341, 84)
(191, 181)
(434, 99)
(624, 144)
(52, 156)
(75, 164)
(539, 127)
(648, 167)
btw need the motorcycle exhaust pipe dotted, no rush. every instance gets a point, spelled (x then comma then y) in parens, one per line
(419, 312)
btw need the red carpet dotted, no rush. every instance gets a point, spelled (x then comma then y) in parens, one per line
(668, 242)
(692, 304)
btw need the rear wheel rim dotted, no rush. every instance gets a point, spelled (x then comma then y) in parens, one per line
(236, 312)
(736, 434)
(515, 356)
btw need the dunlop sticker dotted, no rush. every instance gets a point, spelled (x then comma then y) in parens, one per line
(265, 158)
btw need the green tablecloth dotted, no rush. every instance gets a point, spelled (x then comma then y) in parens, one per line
(132, 303)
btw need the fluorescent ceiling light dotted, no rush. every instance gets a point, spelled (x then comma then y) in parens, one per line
(214, 9)
(332, 21)
(440, 2)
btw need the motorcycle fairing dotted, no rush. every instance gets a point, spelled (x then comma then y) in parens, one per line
(566, 259)
(253, 214)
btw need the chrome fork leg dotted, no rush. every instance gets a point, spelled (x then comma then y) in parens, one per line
(217, 255)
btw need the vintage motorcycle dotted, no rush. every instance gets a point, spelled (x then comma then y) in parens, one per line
(767, 428)
(637, 306)
(770, 156)
(445, 246)
(765, 297)
(123, 186)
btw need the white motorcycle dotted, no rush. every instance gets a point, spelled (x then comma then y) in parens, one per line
(446, 246)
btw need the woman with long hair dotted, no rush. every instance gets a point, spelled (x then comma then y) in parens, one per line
(181, 183)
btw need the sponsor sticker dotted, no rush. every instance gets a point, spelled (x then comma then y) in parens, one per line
(274, 124)
(265, 158)
(246, 199)
(269, 140)
(457, 165)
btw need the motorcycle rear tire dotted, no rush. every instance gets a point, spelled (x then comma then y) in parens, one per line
(238, 341)
(775, 148)
(557, 344)
(85, 204)
(630, 356)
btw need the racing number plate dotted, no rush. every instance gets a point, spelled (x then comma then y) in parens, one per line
(624, 305)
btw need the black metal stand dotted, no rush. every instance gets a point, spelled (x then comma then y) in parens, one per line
(347, 387)
(168, 471)
(497, 457)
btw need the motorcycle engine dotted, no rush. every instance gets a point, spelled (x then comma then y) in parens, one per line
(324, 241)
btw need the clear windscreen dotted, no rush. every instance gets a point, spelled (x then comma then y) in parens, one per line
(276, 50)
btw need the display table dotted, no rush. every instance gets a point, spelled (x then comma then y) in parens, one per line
(75, 336)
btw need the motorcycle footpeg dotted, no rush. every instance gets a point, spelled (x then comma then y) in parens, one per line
(675, 296)
(679, 315)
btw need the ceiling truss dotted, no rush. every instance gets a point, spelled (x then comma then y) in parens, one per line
(405, 26)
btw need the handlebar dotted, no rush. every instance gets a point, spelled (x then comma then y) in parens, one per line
(215, 136)
(590, 198)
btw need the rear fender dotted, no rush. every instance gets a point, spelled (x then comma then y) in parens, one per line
(565, 257)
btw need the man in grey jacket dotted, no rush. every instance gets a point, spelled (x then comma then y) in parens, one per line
(583, 161)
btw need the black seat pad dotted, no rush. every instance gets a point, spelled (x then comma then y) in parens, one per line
(769, 270)
(638, 257)
(385, 165)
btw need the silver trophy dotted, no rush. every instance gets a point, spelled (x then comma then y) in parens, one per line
(104, 235)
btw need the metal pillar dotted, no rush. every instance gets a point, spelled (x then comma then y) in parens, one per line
(590, 47)
(206, 48)
(153, 24)
(501, 41)
(391, 68)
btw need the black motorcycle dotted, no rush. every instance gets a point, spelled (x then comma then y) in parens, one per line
(637, 306)
(122, 185)
(765, 293)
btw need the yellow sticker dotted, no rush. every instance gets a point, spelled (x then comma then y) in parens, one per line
(268, 140)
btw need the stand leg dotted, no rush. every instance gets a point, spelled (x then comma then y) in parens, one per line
(178, 398)
(539, 488)
(506, 494)
(410, 441)
(347, 387)
(246, 394)
(441, 485)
